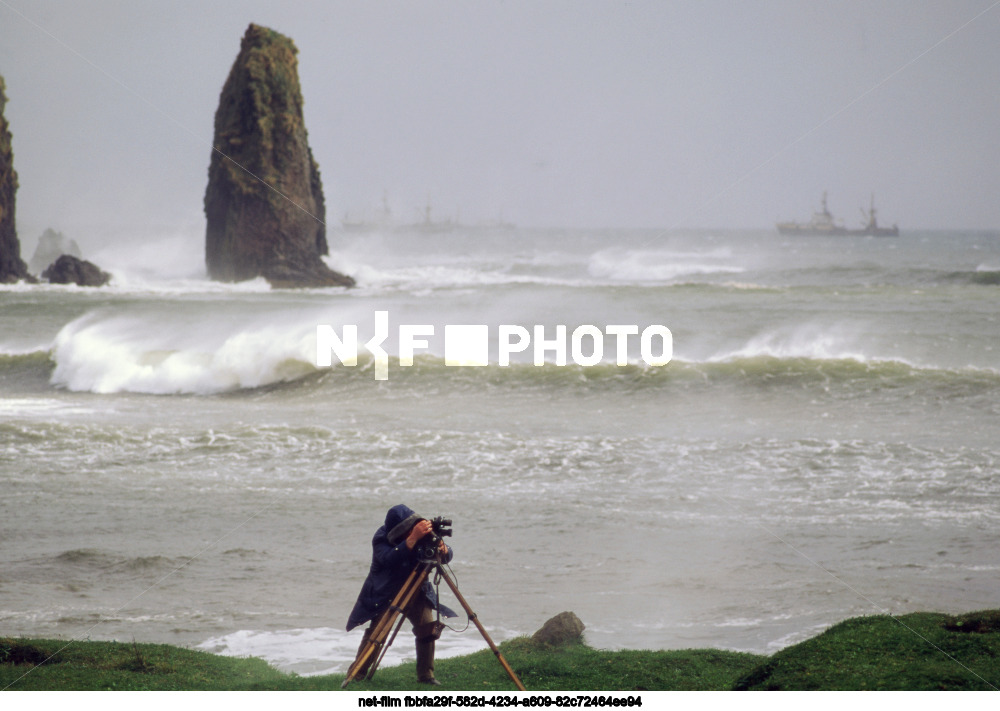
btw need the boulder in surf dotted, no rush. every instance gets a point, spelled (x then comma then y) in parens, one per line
(68, 269)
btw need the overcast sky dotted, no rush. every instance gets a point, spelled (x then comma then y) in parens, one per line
(669, 114)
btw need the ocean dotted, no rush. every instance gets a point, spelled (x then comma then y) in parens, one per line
(176, 468)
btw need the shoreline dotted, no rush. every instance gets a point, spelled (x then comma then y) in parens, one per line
(917, 651)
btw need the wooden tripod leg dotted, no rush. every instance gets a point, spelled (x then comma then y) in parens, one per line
(385, 623)
(475, 620)
(385, 647)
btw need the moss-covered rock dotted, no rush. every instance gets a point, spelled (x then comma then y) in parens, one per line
(919, 651)
(264, 202)
(564, 628)
(12, 267)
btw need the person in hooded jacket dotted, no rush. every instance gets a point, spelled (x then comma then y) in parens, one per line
(394, 557)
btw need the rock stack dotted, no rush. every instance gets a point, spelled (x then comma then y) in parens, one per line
(264, 202)
(12, 267)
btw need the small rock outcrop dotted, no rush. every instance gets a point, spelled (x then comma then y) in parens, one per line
(564, 628)
(264, 201)
(12, 267)
(72, 270)
(51, 246)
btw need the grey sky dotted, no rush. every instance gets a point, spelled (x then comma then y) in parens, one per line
(579, 113)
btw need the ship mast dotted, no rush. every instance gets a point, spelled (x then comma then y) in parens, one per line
(871, 214)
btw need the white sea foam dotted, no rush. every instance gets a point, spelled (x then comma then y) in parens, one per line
(117, 354)
(805, 341)
(330, 651)
(546, 269)
(799, 635)
(167, 258)
(12, 351)
(646, 265)
(437, 276)
(125, 282)
(24, 406)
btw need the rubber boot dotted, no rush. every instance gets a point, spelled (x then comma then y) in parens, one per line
(425, 662)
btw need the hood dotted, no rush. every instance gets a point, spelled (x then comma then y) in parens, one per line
(398, 522)
(396, 515)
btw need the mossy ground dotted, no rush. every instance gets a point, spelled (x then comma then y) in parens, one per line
(914, 652)
(85, 666)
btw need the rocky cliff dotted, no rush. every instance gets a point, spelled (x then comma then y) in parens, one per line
(12, 267)
(264, 202)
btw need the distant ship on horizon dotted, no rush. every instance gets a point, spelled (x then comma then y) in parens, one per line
(381, 220)
(822, 223)
(384, 221)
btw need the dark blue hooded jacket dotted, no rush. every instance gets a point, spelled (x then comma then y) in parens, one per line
(391, 566)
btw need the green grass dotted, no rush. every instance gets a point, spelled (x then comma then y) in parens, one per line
(568, 668)
(913, 652)
(916, 652)
(86, 666)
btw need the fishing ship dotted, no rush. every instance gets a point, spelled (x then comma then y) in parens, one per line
(822, 224)
(381, 220)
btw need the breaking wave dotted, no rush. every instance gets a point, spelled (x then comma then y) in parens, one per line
(654, 265)
(113, 355)
(92, 359)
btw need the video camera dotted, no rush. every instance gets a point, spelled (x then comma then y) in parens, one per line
(427, 547)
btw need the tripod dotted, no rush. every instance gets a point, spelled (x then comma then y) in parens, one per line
(377, 645)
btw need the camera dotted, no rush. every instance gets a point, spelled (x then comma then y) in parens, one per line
(427, 547)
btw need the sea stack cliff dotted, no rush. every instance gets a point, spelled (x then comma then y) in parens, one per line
(12, 267)
(264, 202)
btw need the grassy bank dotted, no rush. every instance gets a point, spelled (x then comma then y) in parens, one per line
(913, 652)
